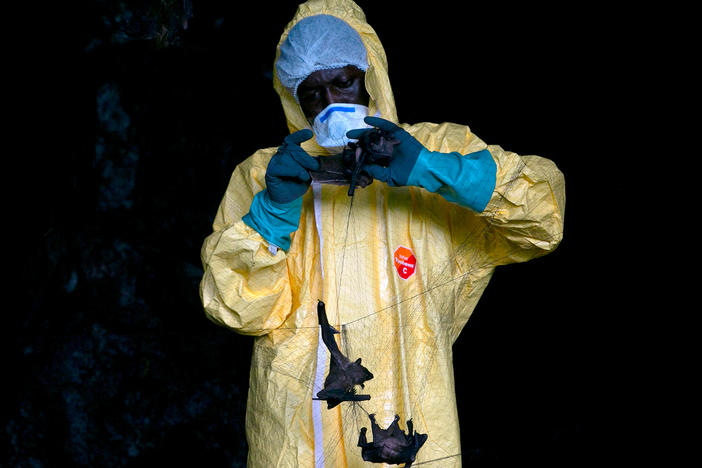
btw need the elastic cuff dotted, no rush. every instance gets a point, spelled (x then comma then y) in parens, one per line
(274, 221)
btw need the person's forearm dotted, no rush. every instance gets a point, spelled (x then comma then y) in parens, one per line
(274, 221)
(468, 180)
(244, 287)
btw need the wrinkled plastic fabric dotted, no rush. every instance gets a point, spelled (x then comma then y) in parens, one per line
(403, 328)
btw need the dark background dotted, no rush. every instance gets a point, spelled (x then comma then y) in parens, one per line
(137, 123)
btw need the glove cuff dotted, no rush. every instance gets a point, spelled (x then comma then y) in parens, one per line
(274, 221)
(467, 180)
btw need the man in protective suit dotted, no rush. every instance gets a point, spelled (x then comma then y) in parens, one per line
(401, 265)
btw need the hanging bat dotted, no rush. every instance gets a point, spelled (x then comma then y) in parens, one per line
(343, 375)
(391, 445)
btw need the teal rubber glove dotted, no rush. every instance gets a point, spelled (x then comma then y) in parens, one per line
(275, 211)
(274, 221)
(467, 180)
(287, 178)
(404, 155)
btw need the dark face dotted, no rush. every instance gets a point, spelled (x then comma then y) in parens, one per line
(324, 87)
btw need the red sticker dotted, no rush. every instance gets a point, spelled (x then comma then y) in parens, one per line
(405, 263)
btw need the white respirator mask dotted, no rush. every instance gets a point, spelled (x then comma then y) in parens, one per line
(330, 125)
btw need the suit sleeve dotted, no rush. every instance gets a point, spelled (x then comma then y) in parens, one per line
(522, 212)
(525, 214)
(244, 286)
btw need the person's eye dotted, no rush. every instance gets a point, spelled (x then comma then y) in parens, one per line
(344, 83)
(308, 94)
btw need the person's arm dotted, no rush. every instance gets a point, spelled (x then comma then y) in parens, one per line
(520, 198)
(245, 285)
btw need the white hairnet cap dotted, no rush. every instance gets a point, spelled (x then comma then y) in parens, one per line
(319, 42)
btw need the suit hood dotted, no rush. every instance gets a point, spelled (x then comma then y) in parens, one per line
(376, 80)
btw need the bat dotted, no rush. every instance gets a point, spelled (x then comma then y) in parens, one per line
(343, 375)
(373, 147)
(391, 445)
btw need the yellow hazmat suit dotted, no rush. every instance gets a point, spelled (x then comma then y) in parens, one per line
(400, 270)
